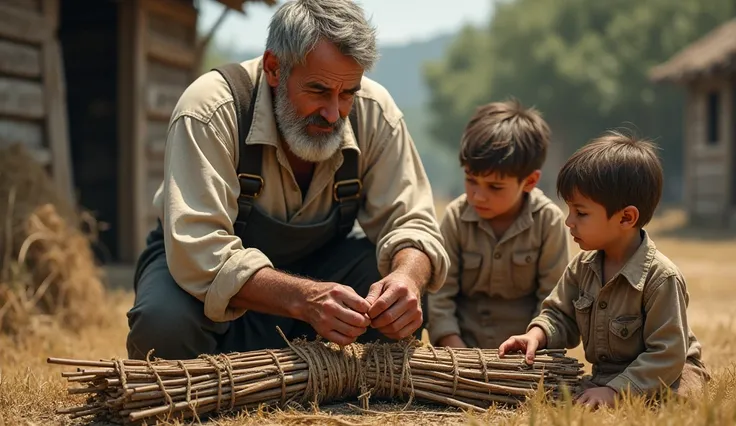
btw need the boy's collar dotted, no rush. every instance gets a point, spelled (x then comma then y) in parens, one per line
(636, 269)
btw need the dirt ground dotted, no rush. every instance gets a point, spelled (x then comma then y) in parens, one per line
(30, 389)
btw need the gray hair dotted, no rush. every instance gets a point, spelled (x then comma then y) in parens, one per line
(298, 25)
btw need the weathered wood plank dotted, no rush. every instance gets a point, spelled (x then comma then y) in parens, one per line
(163, 50)
(19, 60)
(172, 30)
(152, 184)
(128, 91)
(22, 25)
(709, 167)
(56, 117)
(159, 72)
(41, 155)
(27, 133)
(170, 10)
(21, 98)
(161, 99)
(140, 71)
(710, 186)
(34, 5)
(708, 207)
(156, 138)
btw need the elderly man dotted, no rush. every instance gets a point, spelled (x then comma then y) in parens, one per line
(268, 166)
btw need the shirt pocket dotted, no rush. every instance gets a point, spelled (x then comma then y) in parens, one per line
(583, 306)
(524, 271)
(626, 340)
(470, 272)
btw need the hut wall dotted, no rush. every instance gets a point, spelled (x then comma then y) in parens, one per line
(709, 152)
(32, 106)
(158, 37)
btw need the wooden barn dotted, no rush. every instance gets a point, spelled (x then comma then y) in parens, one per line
(706, 70)
(88, 87)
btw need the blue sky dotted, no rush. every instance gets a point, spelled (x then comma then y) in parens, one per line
(428, 18)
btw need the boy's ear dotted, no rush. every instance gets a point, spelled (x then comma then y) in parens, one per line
(532, 180)
(629, 217)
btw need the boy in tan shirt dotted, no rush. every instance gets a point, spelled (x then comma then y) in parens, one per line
(624, 298)
(506, 240)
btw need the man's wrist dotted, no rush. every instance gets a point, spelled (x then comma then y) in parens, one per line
(413, 264)
(257, 294)
(301, 302)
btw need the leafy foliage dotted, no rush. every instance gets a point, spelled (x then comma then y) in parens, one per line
(583, 63)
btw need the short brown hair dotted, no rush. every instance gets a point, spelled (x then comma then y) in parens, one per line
(505, 138)
(615, 171)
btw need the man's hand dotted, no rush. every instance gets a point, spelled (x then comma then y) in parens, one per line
(336, 312)
(529, 343)
(395, 306)
(598, 397)
(452, 341)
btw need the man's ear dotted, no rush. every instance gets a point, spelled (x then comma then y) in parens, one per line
(271, 68)
(532, 180)
(629, 217)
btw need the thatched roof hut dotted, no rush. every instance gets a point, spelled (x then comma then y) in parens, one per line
(706, 69)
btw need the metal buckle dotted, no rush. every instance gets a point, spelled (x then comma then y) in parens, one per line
(346, 182)
(248, 175)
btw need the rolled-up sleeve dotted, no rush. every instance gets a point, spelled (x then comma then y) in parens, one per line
(557, 316)
(199, 200)
(443, 319)
(399, 209)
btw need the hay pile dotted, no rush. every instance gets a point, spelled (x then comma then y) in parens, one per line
(47, 268)
(133, 391)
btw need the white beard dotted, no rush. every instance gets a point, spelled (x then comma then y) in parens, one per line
(294, 130)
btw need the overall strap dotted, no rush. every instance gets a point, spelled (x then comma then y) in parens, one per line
(348, 187)
(249, 159)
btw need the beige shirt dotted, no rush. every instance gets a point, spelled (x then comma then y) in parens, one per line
(634, 329)
(197, 200)
(495, 286)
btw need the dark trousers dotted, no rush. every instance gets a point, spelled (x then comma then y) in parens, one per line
(169, 320)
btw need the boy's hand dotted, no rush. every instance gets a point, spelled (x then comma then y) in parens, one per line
(598, 397)
(529, 343)
(453, 341)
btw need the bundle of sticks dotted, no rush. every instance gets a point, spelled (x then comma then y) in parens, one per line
(132, 391)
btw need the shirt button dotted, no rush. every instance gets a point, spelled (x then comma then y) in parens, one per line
(528, 259)
(604, 358)
(625, 332)
(497, 255)
(603, 305)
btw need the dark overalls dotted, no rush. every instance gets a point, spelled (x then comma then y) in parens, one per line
(172, 322)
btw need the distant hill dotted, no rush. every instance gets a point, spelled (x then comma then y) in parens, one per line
(400, 69)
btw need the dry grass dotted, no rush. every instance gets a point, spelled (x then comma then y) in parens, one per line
(46, 262)
(30, 390)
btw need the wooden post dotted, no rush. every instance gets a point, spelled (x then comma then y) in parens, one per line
(55, 100)
(131, 116)
(139, 88)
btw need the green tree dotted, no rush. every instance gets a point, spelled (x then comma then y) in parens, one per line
(583, 63)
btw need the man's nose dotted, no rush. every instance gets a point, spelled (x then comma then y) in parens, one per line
(331, 111)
